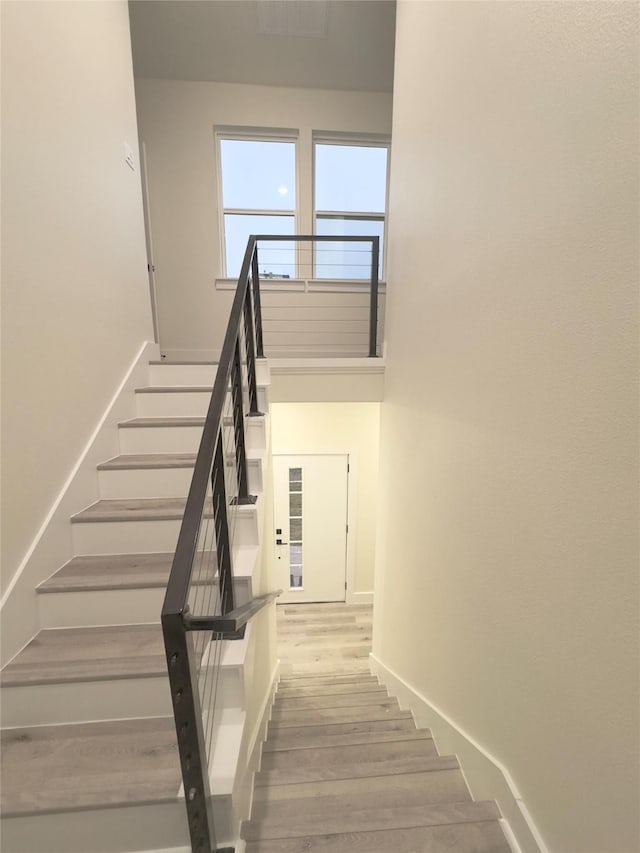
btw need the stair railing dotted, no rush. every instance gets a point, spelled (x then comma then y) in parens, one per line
(199, 612)
(315, 239)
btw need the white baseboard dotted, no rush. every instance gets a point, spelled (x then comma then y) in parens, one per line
(486, 776)
(359, 597)
(52, 547)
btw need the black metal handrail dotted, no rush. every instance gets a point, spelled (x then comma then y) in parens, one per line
(199, 600)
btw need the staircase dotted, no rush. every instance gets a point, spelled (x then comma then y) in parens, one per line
(89, 757)
(343, 768)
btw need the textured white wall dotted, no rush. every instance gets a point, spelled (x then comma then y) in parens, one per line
(342, 428)
(75, 297)
(176, 123)
(507, 590)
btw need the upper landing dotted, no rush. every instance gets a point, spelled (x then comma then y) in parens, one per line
(326, 380)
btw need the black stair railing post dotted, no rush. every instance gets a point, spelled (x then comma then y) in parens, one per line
(249, 338)
(373, 299)
(187, 712)
(257, 308)
(221, 526)
(238, 429)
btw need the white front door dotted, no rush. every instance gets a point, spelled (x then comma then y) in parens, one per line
(310, 509)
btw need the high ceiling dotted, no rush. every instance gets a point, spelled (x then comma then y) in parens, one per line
(317, 44)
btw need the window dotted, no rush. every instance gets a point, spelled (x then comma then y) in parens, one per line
(350, 199)
(295, 527)
(258, 186)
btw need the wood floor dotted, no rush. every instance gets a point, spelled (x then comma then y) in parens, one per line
(324, 638)
(343, 768)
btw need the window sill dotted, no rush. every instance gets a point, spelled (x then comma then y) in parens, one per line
(301, 285)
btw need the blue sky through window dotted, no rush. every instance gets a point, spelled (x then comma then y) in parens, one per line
(259, 197)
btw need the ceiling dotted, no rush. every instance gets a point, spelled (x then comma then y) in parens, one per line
(316, 44)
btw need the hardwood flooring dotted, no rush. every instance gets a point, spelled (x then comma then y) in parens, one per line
(343, 768)
(55, 768)
(333, 639)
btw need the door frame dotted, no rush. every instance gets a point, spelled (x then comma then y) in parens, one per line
(349, 597)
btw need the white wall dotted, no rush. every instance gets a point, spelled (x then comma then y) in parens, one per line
(75, 301)
(351, 428)
(508, 480)
(176, 121)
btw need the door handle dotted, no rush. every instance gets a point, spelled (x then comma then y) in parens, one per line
(280, 542)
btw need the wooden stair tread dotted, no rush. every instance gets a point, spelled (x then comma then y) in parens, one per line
(138, 509)
(327, 690)
(362, 794)
(180, 363)
(309, 680)
(435, 786)
(89, 765)
(115, 571)
(88, 654)
(135, 461)
(289, 704)
(389, 817)
(371, 751)
(302, 733)
(351, 738)
(340, 715)
(408, 764)
(472, 837)
(139, 423)
(177, 389)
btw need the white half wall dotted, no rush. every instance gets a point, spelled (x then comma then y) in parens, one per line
(351, 428)
(176, 121)
(507, 583)
(75, 296)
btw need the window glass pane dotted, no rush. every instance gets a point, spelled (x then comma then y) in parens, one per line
(295, 530)
(273, 264)
(295, 504)
(347, 260)
(350, 178)
(258, 175)
(295, 475)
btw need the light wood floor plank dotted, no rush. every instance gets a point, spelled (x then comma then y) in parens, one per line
(55, 768)
(352, 754)
(290, 704)
(319, 736)
(436, 786)
(390, 817)
(355, 714)
(485, 837)
(88, 654)
(411, 764)
(360, 794)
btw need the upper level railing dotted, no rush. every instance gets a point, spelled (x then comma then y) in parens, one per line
(200, 610)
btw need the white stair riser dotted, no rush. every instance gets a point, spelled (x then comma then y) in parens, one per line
(182, 374)
(113, 830)
(115, 699)
(112, 606)
(169, 439)
(147, 537)
(169, 404)
(134, 483)
(197, 374)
